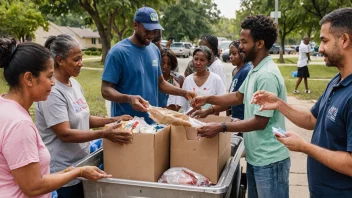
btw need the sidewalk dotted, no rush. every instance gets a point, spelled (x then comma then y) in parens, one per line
(298, 172)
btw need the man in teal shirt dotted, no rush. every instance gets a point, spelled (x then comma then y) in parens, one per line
(268, 161)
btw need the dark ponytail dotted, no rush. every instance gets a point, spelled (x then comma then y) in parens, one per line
(7, 49)
(26, 57)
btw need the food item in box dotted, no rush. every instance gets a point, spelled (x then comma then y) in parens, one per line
(169, 117)
(184, 176)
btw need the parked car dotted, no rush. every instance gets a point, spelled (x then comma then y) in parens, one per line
(226, 55)
(275, 49)
(224, 45)
(182, 49)
(289, 50)
(163, 43)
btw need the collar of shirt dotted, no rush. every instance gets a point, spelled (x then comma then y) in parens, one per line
(265, 60)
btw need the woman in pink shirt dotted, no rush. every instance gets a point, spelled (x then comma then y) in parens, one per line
(24, 159)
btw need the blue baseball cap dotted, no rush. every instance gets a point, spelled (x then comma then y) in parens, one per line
(148, 17)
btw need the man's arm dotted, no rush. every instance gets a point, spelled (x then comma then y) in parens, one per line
(110, 93)
(210, 130)
(230, 99)
(299, 117)
(339, 161)
(167, 88)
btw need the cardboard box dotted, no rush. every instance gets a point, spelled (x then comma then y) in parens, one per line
(206, 156)
(145, 159)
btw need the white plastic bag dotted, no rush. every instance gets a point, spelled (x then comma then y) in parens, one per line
(184, 176)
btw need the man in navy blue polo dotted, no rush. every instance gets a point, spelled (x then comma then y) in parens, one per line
(329, 153)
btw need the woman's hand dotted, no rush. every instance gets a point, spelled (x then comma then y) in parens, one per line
(115, 135)
(92, 173)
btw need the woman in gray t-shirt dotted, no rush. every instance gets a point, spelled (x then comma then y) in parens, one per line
(64, 119)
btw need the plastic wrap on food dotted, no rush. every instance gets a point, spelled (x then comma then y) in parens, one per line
(148, 129)
(184, 176)
(169, 117)
(131, 126)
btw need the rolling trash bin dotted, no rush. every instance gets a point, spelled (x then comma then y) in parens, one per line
(228, 185)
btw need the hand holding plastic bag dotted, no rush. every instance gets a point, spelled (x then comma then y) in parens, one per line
(184, 176)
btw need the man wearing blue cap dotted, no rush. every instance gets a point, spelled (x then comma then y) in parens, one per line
(132, 76)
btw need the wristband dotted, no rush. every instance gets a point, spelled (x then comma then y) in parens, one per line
(224, 127)
(213, 108)
(81, 169)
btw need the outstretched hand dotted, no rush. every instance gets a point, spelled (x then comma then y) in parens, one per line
(266, 100)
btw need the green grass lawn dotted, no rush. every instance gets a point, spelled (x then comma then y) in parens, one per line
(317, 87)
(293, 60)
(95, 64)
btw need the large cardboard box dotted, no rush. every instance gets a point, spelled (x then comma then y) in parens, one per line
(205, 156)
(145, 159)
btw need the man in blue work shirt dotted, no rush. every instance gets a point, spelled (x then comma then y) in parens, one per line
(329, 153)
(132, 76)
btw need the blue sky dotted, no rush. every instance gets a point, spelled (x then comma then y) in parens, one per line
(228, 7)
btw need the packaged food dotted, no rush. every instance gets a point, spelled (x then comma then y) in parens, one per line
(183, 176)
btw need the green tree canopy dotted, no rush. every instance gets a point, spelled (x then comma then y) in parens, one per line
(20, 19)
(189, 19)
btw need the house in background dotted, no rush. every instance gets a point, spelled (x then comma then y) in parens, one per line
(86, 37)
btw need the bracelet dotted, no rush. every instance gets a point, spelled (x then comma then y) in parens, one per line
(81, 169)
(213, 108)
(224, 127)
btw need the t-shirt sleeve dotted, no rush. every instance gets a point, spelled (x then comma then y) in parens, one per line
(113, 68)
(20, 146)
(267, 82)
(55, 109)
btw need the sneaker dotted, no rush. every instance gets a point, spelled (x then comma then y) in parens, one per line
(308, 91)
(295, 91)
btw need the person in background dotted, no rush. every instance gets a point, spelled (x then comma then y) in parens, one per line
(302, 65)
(168, 65)
(268, 161)
(132, 75)
(157, 40)
(64, 119)
(24, 159)
(239, 75)
(329, 153)
(202, 81)
(215, 64)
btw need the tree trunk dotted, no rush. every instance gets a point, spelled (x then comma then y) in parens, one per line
(106, 45)
(282, 50)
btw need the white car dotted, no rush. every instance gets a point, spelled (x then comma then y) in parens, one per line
(182, 49)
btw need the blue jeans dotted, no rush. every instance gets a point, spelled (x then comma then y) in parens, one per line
(75, 191)
(270, 180)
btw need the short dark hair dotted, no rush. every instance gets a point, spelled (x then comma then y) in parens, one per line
(25, 57)
(340, 20)
(172, 58)
(262, 28)
(213, 42)
(204, 49)
(60, 45)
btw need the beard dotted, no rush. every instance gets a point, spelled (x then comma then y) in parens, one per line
(141, 40)
(334, 57)
(250, 56)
